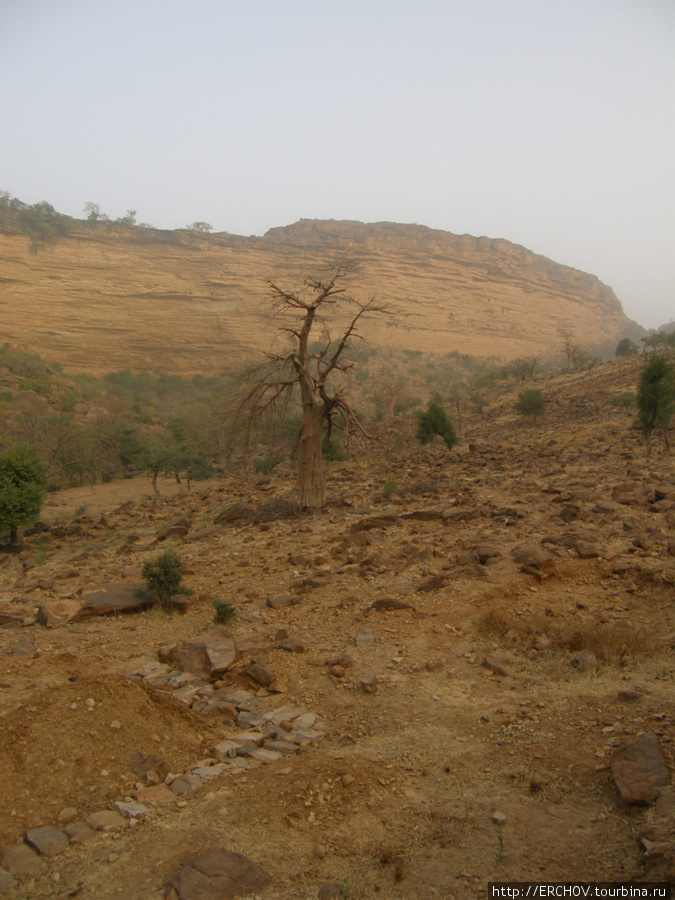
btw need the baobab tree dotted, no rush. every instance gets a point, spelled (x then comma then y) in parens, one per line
(309, 370)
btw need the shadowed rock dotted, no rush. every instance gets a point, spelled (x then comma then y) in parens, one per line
(217, 875)
(639, 769)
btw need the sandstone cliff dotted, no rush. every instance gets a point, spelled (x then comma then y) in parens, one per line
(101, 300)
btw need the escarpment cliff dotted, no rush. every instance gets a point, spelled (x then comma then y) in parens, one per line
(108, 298)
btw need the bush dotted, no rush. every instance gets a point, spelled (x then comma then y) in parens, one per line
(333, 451)
(163, 577)
(433, 421)
(266, 465)
(656, 396)
(531, 403)
(624, 400)
(225, 611)
(626, 347)
(23, 483)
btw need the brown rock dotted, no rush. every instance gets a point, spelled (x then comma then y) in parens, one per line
(217, 875)
(384, 603)
(156, 794)
(639, 769)
(110, 599)
(52, 613)
(259, 670)
(106, 820)
(142, 763)
(291, 645)
(20, 861)
(47, 840)
(331, 890)
(178, 527)
(185, 784)
(495, 665)
(586, 550)
(208, 655)
(6, 881)
(79, 832)
(368, 684)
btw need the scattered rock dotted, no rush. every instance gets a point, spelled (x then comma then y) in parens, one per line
(208, 655)
(178, 527)
(79, 832)
(155, 794)
(217, 875)
(388, 603)
(111, 599)
(106, 820)
(47, 840)
(53, 613)
(495, 665)
(20, 861)
(291, 645)
(639, 769)
(368, 684)
(259, 670)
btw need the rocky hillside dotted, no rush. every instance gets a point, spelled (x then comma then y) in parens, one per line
(460, 672)
(108, 297)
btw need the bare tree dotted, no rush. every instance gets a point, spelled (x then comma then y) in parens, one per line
(274, 382)
(569, 346)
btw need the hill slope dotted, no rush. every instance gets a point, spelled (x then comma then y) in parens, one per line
(107, 298)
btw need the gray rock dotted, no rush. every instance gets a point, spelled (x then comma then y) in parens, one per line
(217, 875)
(259, 670)
(79, 832)
(106, 820)
(185, 784)
(368, 684)
(113, 598)
(47, 840)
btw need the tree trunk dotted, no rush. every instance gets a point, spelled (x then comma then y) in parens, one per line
(311, 485)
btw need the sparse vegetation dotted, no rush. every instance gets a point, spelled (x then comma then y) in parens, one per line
(163, 577)
(531, 403)
(23, 484)
(656, 397)
(225, 611)
(434, 421)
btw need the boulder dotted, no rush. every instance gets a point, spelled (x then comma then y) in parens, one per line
(207, 655)
(259, 670)
(47, 840)
(639, 769)
(113, 598)
(20, 861)
(217, 875)
(178, 527)
(53, 613)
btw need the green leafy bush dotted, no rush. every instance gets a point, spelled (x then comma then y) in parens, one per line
(163, 577)
(267, 464)
(333, 451)
(531, 403)
(225, 611)
(433, 421)
(23, 483)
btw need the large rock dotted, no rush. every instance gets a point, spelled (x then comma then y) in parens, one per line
(178, 527)
(52, 613)
(639, 769)
(47, 840)
(20, 861)
(217, 875)
(116, 597)
(207, 655)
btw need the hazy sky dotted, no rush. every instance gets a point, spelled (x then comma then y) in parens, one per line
(550, 123)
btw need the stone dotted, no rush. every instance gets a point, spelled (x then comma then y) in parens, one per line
(79, 832)
(639, 770)
(217, 874)
(385, 603)
(291, 645)
(234, 513)
(278, 601)
(6, 881)
(260, 671)
(586, 550)
(53, 613)
(368, 684)
(185, 784)
(155, 794)
(131, 809)
(495, 665)
(225, 750)
(178, 527)
(113, 598)
(47, 840)
(20, 861)
(534, 560)
(207, 655)
(106, 820)
(25, 647)
(498, 818)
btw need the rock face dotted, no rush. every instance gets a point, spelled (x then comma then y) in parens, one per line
(217, 875)
(456, 292)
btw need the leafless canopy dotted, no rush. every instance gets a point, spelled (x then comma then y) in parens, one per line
(272, 383)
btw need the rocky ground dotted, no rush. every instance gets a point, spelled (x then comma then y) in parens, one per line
(430, 684)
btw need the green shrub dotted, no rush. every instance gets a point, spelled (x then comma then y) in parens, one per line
(433, 421)
(624, 400)
(163, 577)
(531, 403)
(333, 451)
(225, 611)
(266, 465)
(23, 482)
